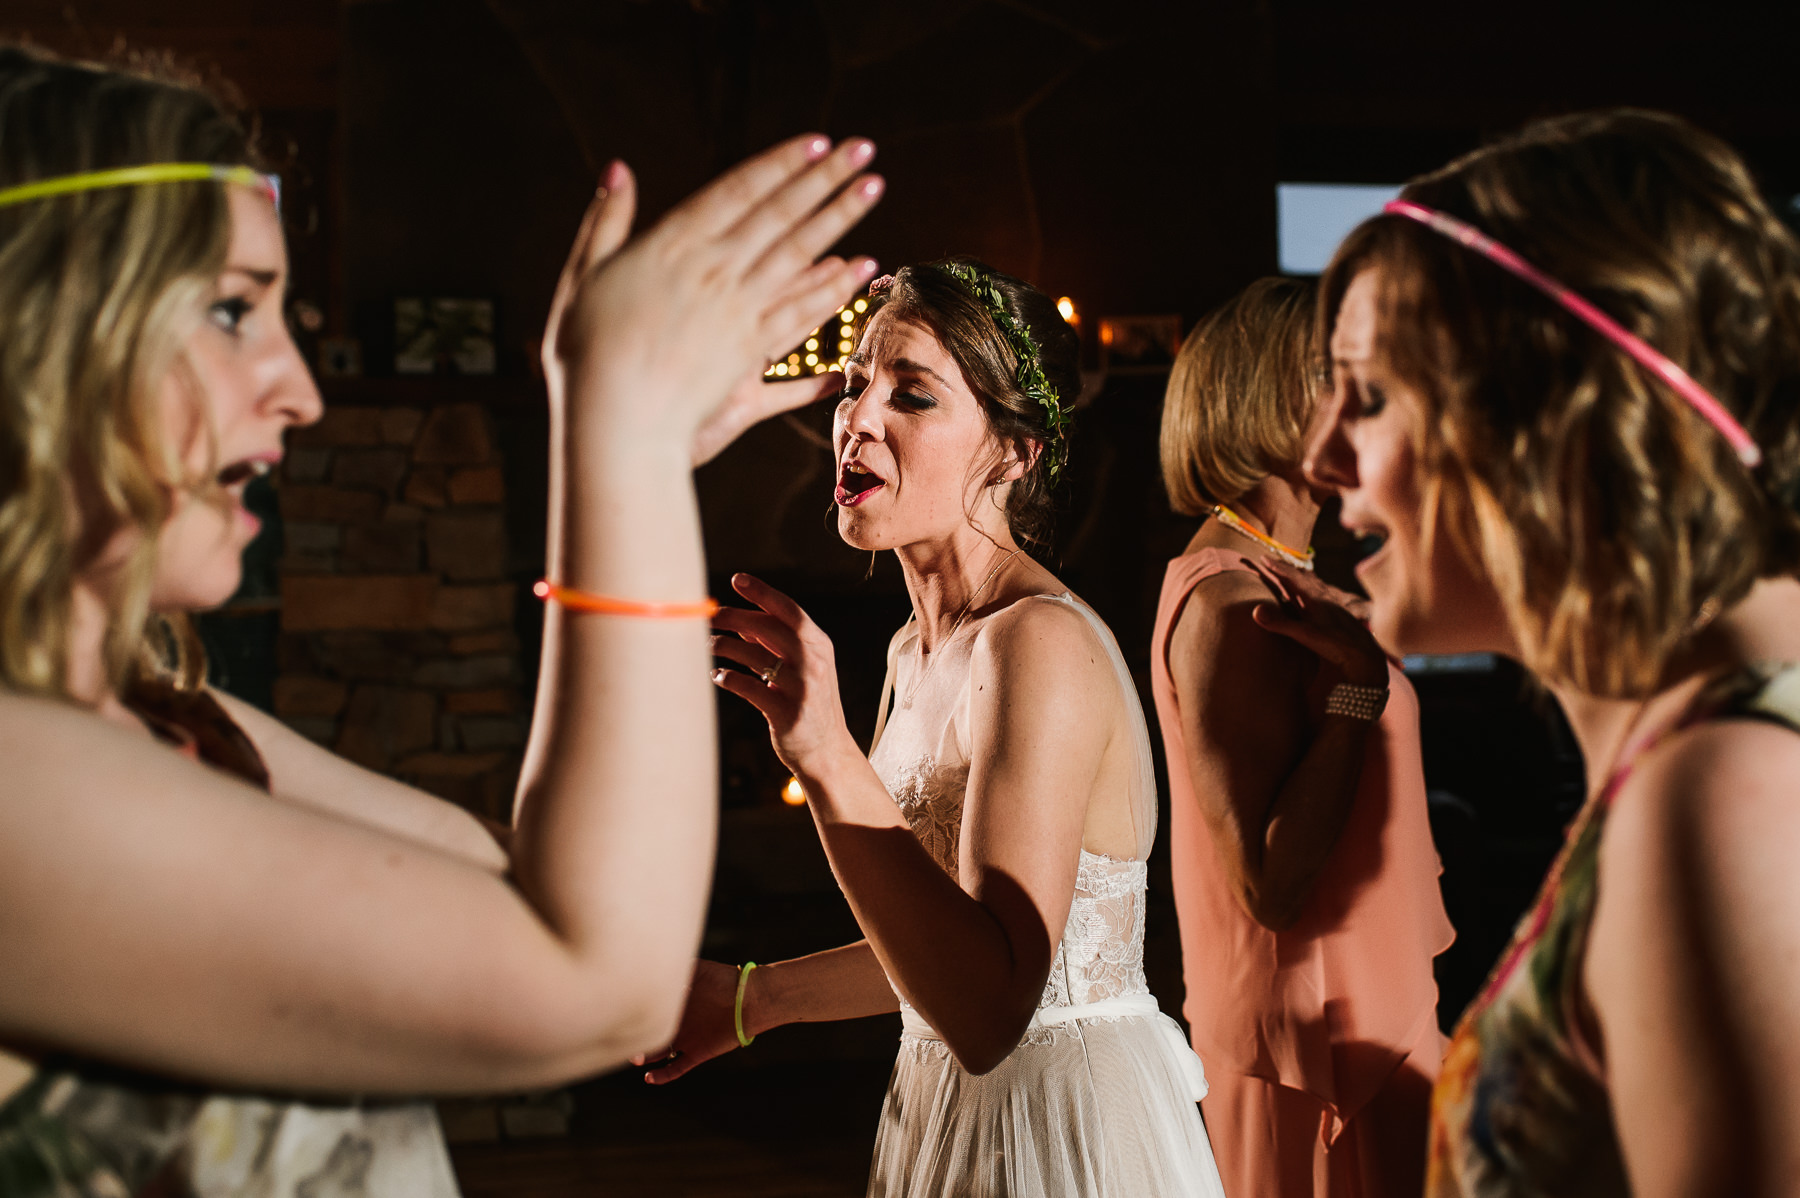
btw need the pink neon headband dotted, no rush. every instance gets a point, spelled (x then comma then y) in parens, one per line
(1656, 363)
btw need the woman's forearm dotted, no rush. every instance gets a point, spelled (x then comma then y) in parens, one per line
(839, 983)
(1305, 820)
(617, 805)
(944, 950)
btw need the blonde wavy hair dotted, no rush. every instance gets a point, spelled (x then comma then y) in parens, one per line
(1609, 516)
(98, 291)
(1240, 395)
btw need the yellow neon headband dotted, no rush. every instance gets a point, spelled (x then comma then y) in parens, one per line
(131, 176)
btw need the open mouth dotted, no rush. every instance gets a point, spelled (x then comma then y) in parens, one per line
(1369, 544)
(856, 483)
(239, 473)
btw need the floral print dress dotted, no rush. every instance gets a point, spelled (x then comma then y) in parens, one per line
(1521, 1106)
(78, 1129)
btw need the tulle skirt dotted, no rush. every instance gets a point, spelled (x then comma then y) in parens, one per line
(1095, 1109)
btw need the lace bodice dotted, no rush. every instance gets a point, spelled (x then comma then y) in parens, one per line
(922, 758)
(1102, 950)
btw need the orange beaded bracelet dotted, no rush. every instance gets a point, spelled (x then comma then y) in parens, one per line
(606, 605)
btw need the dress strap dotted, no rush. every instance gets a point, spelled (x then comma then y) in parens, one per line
(885, 707)
(1765, 691)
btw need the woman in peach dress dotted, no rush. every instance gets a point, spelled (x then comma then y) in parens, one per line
(1305, 875)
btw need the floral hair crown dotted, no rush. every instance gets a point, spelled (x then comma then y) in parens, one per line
(1030, 376)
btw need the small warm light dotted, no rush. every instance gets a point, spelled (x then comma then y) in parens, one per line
(781, 369)
(793, 359)
(813, 359)
(1066, 306)
(812, 343)
(861, 305)
(792, 795)
(846, 316)
(820, 368)
(845, 346)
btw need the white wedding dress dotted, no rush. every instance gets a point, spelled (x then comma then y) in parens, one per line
(1099, 1098)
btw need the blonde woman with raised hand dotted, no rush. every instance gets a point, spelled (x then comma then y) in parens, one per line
(197, 903)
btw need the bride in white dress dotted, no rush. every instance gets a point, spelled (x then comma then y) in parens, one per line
(992, 845)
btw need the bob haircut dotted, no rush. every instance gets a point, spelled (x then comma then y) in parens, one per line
(1240, 396)
(98, 291)
(1609, 516)
(934, 299)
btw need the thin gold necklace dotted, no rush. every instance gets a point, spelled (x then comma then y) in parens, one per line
(1300, 560)
(930, 660)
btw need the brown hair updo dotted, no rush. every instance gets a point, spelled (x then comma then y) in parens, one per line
(1611, 517)
(1240, 395)
(929, 296)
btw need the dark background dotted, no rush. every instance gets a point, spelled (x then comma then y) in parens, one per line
(1123, 154)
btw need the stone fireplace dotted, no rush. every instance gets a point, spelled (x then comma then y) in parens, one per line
(399, 642)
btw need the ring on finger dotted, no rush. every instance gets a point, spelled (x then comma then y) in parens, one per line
(769, 675)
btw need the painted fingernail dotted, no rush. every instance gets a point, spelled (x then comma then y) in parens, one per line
(871, 187)
(818, 147)
(862, 151)
(615, 176)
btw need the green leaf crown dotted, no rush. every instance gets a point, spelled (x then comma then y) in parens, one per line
(1030, 376)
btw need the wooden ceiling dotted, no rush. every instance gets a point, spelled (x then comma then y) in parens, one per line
(280, 54)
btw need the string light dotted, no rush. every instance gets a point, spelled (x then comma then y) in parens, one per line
(813, 356)
(792, 794)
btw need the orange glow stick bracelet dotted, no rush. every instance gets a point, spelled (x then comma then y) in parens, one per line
(607, 605)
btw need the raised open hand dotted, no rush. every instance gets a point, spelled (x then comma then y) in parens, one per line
(1330, 622)
(793, 678)
(655, 334)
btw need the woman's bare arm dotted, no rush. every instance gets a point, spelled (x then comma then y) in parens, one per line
(174, 919)
(970, 954)
(303, 772)
(1693, 965)
(1274, 799)
(839, 983)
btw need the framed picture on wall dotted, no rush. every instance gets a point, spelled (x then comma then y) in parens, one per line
(443, 335)
(1139, 344)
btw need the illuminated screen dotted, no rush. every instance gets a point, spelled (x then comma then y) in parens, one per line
(1313, 217)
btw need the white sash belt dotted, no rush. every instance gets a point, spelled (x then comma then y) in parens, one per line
(1127, 1006)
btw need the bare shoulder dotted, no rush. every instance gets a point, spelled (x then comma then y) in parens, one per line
(1693, 964)
(62, 756)
(1226, 590)
(1697, 860)
(1041, 632)
(1733, 785)
(1217, 637)
(1222, 601)
(42, 738)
